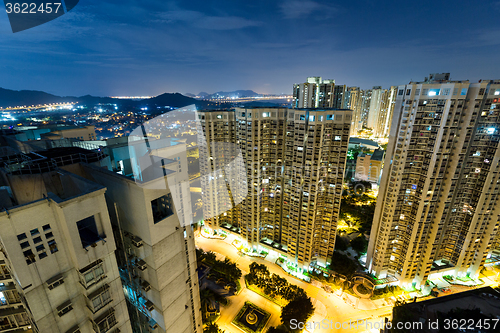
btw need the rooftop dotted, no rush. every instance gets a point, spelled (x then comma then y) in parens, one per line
(378, 155)
(486, 299)
(365, 142)
(59, 185)
(47, 160)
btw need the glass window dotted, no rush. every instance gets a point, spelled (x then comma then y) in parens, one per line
(34, 232)
(162, 207)
(21, 236)
(87, 228)
(52, 246)
(46, 227)
(464, 92)
(434, 92)
(37, 240)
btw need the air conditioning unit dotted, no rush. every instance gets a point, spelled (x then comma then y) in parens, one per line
(141, 264)
(146, 286)
(153, 324)
(149, 305)
(137, 241)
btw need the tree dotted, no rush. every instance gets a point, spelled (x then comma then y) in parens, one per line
(210, 257)
(340, 243)
(207, 296)
(212, 328)
(360, 244)
(342, 264)
(300, 309)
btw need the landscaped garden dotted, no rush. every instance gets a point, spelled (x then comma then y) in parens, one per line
(271, 286)
(387, 291)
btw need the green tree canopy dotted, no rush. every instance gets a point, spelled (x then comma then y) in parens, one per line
(300, 309)
(212, 328)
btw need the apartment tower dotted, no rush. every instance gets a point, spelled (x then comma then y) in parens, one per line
(438, 205)
(294, 166)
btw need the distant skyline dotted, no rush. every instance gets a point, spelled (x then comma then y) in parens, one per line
(149, 47)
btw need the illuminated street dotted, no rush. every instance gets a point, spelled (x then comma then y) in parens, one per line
(328, 306)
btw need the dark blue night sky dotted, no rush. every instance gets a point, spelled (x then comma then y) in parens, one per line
(111, 47)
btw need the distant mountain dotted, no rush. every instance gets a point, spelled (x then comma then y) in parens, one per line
(30, 97)
(174, 100)
(203, 94)
(230, 94)
(189, 95)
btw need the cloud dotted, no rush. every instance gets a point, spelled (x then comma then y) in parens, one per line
(299, 9)
(202, 21)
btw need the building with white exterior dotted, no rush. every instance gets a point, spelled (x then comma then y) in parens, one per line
(315, 93)
(156, 254)
(438, 204)
(148, 234)
(58, 263)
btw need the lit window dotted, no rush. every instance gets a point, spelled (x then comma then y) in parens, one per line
(311, 118)
(434, 92)
(219, 116)
(464, 92)
(490, 130)
(497, 92)
(338, 137)
(265, 114)
(329, 117)
(402, 217)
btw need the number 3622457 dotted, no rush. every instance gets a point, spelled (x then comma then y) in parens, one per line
(33, 8)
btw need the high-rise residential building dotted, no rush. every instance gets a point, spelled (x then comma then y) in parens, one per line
(129, 203)
(375, 107)
(155, 241)
(339, 97)
(315, 93)
(381, 130)
(294, 163)
(380, 110)
(59, 270)
(355, 102)
(366, 97)
(438, 205)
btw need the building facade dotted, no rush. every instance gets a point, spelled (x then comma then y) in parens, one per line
(294, 163)
(150, 211)
(58, 251)
(438, 204)
(315, 93)
(111, 229)
(369, 166)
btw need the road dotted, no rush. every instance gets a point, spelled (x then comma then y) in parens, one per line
(331, 310)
